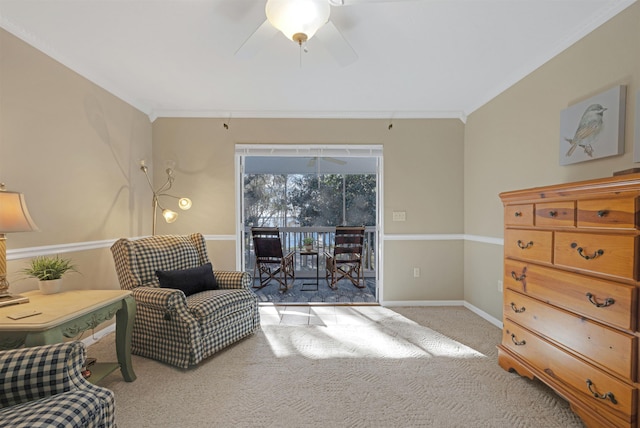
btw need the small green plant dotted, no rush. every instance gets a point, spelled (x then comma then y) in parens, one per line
(47, 268)
(307, 241)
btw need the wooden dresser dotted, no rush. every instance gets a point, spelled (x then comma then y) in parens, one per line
(571, 271)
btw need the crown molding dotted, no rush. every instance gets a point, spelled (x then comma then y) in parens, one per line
(272, 114)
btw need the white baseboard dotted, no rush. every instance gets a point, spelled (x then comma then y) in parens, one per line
(483, 314)
(475, 310)
(392, 303)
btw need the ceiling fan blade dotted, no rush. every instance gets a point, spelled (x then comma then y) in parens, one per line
(336, 161)
(336, 44)
(256, 41)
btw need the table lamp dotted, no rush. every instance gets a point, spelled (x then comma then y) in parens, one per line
(14, 217)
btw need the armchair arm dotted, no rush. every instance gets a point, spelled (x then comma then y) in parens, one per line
(42, 371)
(158, 298)
(165, 300)
(232, 279)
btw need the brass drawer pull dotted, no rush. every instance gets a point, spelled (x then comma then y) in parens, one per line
(516, 310)
(524, 246)
(607, 302)
(608, 395)
(518, 214)
(553, 213)
(602, 213)
(518, 278)
(515, 342)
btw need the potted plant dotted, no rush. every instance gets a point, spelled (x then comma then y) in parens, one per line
(48, 271)
(308, 243)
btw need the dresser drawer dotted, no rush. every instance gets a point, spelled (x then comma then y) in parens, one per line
(532, 245)
(603, 345)
(608, 254)
(556, 214)
(572, 372)
(607, 301)
(617, 213)
(518, 215)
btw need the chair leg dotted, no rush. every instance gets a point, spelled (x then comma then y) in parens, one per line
(263, 282)
(266, 275)
(351, 272)
(283, 283)
(332, 281)
(358, 276)
(331, 272)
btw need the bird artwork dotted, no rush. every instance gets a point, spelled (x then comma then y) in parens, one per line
(589, 128)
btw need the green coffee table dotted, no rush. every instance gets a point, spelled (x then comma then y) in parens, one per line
(67, 315)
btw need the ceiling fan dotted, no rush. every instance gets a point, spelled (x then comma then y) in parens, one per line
(299, 20)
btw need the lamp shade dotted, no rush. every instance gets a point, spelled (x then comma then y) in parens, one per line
(298, 20)
(14, 215)
(184, 203)
(169, 216)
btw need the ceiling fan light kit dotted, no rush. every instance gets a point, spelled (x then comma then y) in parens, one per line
(298, 20)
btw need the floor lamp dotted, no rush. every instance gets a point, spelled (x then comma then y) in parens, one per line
(14, 217)
(169, 216)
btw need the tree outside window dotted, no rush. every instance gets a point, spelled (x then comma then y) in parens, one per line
(310, 199)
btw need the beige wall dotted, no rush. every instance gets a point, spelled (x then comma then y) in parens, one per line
(71, 148)
(512, 142)
(423, 176)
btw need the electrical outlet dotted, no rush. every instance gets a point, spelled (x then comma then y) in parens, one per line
(416, 272)
(500, 286)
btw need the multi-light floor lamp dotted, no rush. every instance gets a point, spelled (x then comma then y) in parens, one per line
(169, 216)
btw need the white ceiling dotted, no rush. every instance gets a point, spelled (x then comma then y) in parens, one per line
(416, 58)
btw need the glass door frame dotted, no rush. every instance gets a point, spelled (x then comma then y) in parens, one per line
(337, 150)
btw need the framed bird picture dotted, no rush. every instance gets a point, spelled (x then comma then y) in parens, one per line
(593, 128)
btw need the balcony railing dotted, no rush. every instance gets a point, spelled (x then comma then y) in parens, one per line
(323, 238)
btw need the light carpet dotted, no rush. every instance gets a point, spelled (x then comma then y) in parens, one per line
(406, 367)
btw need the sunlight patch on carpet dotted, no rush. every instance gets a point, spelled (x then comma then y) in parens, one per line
(398, 338)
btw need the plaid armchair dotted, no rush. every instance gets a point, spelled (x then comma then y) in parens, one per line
(43, 387)
(170, 325)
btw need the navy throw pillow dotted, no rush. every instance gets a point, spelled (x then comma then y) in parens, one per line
(190, 281)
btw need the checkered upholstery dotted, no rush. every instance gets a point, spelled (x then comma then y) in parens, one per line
(43, 387)
(170, 327)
